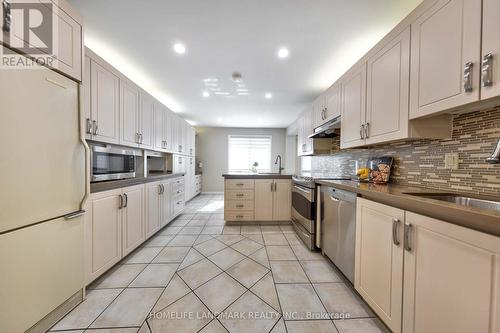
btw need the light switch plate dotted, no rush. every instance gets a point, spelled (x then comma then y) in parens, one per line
(451, 161)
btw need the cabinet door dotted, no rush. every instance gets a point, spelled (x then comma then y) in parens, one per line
(378, 273)
(264, 199)
(166, 204)
(491, 46)
(87, 101)
(353, 107)
(282, 201)
(129, 115)
(159, 123)
(103, 233)
(332, 102)
(168, 131)
(133, 218)
(147, 121)
(308, 130)
(444, 40)
(153, 201)
(300, 136)
(388, 81)
(105, 95)
(318, 117)
(451, 278)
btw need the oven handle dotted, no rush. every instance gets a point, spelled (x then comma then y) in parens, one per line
(295, 187)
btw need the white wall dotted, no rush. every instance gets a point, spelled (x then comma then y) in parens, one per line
(212, 151)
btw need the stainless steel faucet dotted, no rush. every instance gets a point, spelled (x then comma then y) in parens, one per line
(495, 158)
(278, 158)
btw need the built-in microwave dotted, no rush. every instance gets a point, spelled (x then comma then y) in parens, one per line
(110, 163)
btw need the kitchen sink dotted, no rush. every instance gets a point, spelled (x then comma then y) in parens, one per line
(461, 200)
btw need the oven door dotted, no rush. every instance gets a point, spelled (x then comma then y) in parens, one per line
(304, 207)
(112, 163)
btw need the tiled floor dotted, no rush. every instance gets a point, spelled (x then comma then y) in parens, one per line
(199, 275)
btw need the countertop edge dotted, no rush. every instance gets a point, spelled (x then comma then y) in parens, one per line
(257, 176)
(116, 184)
(472, 218)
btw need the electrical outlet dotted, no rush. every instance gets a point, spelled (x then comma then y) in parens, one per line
(451, 161)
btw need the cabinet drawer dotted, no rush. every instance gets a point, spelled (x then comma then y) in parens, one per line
(178, 181)
(241, 184)
(238, 215)
(178, 205)
(239, 205)
(239, 195)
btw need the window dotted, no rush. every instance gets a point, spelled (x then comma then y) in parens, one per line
(245, 150)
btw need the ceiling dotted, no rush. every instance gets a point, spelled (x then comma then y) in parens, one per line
(324, 37)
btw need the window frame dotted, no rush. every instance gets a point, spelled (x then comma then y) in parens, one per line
(267, 136)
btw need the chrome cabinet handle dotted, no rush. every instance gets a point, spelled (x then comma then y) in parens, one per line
(137, 140)
(468, 77)
(407, 237)
(120, 201)
(89, 126)
(487, 70)
(334, 199)
(395, 224)
(126, 200)
(74, 215)
(7, 16)
(140, 138)
(272, 187)
(94, 125)
(160, 190)
(367, 130)
(362, 131)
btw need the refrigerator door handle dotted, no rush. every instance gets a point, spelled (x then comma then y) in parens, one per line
(74, 215)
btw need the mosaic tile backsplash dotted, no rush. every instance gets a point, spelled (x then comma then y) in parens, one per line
(421, 163)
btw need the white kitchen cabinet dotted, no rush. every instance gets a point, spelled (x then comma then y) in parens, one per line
(388, 80)
(490, 53)
(282, 200)
(166, 203)
(105, 104)
(153, 211)
(305, 144)
(353, 106)
(133, 218)
(160, 125)
(451, 278)
(103, 233)
(129, 113)
(445, 45)
(327, 106)
(146, 121)
(87, 101)
(379, 260)
(179, 163)
(263, 199)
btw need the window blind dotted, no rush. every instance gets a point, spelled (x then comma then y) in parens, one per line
(244, 151)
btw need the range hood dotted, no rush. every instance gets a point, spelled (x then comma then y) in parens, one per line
(330, 129)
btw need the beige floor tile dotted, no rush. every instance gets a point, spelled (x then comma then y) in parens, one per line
(143, 255)
(261, 257)
(216, 217)
(256, 238)
(214, 327)
(185, 217)
(191, 231)
(270, 229)
(155, 275)
(220, 222)
(171, 255)
(192, 257)
(144, 328)
(226, 258)
(246, 246)
(85, 313)
(119, 276)
(158, 241)
(303, 253)
(280, 327)
(202, 216)
(316, 326)
(247, 272)
(111, 330)
(218, 293)
(187, 315)
(174, 291)
(179, 223)
(202, 239)
(280, 253)
(274, 239)
(199, 273)
(129, 309)
(292, 239)
(340, 299)
(212, 230)
(287, 229)
(210, 247)
(170, 231)
(229, 239)
(361, 326)
(288, 272)
(299, 301)
(266, 290)
(231, 230)
(183, 240)
(248, 305)
(197, 223)
(251, 230)
(321, 271)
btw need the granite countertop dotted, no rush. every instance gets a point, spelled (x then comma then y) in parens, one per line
(398, 196)
(115, 184)
(256, 176)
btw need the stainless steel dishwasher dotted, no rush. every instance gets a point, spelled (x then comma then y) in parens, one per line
(338, 223)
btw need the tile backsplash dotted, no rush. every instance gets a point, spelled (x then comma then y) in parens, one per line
(421, 163)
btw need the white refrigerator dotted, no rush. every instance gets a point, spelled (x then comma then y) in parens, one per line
(42, 186)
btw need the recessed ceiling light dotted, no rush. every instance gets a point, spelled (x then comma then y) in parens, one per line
(219, 119)
(283, 53)
(206, 94)
(179, 48)
(268, 95)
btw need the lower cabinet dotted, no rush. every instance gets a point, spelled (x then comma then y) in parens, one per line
(263, 210)
(420, 274)
(119, 221)
(273, 199)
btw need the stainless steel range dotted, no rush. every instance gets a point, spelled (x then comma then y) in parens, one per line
(305, 209)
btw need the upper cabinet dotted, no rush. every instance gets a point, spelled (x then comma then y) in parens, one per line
(146, 121)
(129, 113)
(304, 143)
(490, 53)
(327, 106)
(67, 57)
(445, 57)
